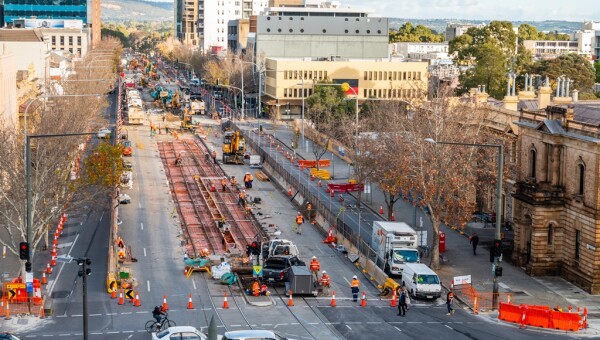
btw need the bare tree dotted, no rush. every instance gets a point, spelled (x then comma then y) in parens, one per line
(52, 159)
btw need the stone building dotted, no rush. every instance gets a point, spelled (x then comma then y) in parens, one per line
(556, 201)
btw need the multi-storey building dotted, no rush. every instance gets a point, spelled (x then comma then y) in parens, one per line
(52, 13)
(64, 35)
(187, 21)
(550, 49)
(414, 49)
(8, 87)
(454, 30)
(30, 48)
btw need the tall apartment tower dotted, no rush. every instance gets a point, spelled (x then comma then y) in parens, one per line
(187, 21)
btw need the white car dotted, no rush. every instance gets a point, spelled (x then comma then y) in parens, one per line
(179, 332)
(124, 199)
(104, 133)
(254, 334)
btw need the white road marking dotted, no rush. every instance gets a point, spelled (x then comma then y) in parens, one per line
(345, 279)
(350, 328)
(236, 325)
(449, 327)
(398, 329)
(193, 283)
(148, 285)
(142, 225)
(144, 251)
(102, 215)
(72, 245)
(77, 315)
(140, 205)
(95, 314)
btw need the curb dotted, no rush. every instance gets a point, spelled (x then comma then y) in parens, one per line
(255, 304)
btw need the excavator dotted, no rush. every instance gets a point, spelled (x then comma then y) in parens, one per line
(234, 148)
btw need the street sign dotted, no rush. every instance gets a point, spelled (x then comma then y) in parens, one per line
(29, 288)
(129, 294)
(257, 270)
(29, 277)
(64, 258)
(462, 280)
(11, 294)
(10, 286)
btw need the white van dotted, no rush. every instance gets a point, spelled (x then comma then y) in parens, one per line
(421, 281)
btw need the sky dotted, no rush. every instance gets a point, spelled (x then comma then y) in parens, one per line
(512, 10)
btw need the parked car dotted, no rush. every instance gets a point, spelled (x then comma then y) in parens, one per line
(254, 334)
(127, 149)
(104, 133)
(277, 268)
(8, 336)
(179, 332)
(421, 281)
(124, 199)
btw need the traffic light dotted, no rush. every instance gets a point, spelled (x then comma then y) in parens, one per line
(28, 267)
(497, 248)
(24, 251)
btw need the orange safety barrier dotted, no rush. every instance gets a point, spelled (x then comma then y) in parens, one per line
(345, 187)
(509, 313)
(313, 164)
(538, 318)
(565, 321)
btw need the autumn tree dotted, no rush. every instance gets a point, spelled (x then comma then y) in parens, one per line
(53, 159)
(443, 177)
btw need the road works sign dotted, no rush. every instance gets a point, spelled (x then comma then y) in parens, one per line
(129, 294)
(462, 280)
(257, 270)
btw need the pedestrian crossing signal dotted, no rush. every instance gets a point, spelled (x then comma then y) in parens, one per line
(497, 248)
(24, 250)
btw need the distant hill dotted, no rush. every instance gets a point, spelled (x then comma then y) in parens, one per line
(439, 25)
(121, 10)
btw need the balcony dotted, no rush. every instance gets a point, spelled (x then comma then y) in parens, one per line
(539, 193)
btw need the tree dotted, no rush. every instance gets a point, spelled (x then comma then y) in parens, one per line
(52, 159)
(419, 33)
(489, 70)
(103, 167)
(442, 177)
(527, 32)
(597, 69)
(572, 66)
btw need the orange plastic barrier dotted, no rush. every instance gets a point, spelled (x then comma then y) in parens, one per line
(565, 321)
(538, 318)
(305, 163)
(345, 187)
(509, 313)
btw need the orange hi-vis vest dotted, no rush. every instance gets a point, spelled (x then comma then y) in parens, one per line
(355, 283)
(242, 195)
(309, 207)
(223, 182)
(315, 266)
(299, 219)
(326, 280)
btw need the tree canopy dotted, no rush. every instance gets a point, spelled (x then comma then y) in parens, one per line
(419, 33)
(572, 66)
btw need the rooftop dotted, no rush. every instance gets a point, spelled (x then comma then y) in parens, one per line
(21, 35)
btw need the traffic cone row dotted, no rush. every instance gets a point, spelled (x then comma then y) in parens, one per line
(44, 280)
(53, 261)
(113, 294)
(332, 193)
(121, 298)
(330, 238)
(48, 269)
(136, 301)
(381, 209)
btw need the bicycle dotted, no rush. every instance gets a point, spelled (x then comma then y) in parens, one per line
(152, 326)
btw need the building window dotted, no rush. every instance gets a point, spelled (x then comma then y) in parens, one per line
(550, 233)
(295, 93)
(70, 41)
(79, 41)
(395, 75)
(325, 74)
(577, 241)
(365, 93)
(581, 174)
(53, 40)
(62, 40)
(532, 161)
(285, 92)
(370, 75)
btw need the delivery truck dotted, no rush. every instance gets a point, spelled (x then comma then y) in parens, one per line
(396, 243)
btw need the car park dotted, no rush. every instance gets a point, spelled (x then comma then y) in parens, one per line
(179, 332)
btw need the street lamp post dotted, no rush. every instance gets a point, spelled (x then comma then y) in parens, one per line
(499, 207)
(259, 85)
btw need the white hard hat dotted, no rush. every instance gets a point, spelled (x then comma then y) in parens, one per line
(354, 277)
(324, 272)
(298, 213)
(314, 257)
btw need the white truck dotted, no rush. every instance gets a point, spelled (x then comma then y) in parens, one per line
(135, 115)
(197, 106)
(396, 243)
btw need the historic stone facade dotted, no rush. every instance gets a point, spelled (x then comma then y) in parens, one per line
(556, 203)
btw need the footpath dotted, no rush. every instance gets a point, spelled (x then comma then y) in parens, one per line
(459, 259)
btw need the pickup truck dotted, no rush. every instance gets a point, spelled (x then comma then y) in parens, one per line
(277, 268)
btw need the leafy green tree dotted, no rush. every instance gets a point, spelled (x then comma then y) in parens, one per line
(572, 66)
(597, 69)
(528, 32)
(490, 70)
(104, 166)
(419, 33)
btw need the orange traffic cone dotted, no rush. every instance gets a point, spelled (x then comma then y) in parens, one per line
(212, 187)
(1, 307)
(48, 269)
(291, 300)
(42, 315)
(121, 299)
(290, 191)
(44, 280)
(381, 209)
(165, 306)
(320, 183)
(7, 316)
(393, 303)
(225, 303)
(475, 305)
(53, 261)
(363, 301)
(113, 294)
(393, 217)
(341, 198)
(333, 303)
(54, 251)
(136, 302)
(55, 242)
(190, 304)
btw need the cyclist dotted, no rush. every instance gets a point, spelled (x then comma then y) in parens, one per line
(158, 313)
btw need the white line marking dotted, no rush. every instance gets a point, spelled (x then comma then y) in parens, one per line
(144, 251)
(125, 313)
(142, 225)
(148, 285)
(345, 279)
(398, 329)
(95, 314)
(194, 284)
(112, 332)
(449, 327)
(77, 315)
(102, 215)
(73, 244)
(140, 205)
(350, 328)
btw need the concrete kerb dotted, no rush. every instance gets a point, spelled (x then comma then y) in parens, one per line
(263, 303)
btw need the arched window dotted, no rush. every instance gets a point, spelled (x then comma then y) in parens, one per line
(581, 176)
(532, 161)
(550, 233)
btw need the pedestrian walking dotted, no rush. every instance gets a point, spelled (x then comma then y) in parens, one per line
(402, 302)
(354, 287)
(450, 303)
(299, 222)
(214, 156)
(474, 239)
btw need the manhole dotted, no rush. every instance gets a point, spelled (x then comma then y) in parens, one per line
(61, 294)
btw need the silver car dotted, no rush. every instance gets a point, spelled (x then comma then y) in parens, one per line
(254, 334)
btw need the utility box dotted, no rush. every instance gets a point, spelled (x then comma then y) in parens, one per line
(301, 281)
(255, 161)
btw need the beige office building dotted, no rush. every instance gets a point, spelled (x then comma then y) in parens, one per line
(8, 87)
(365, 78)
